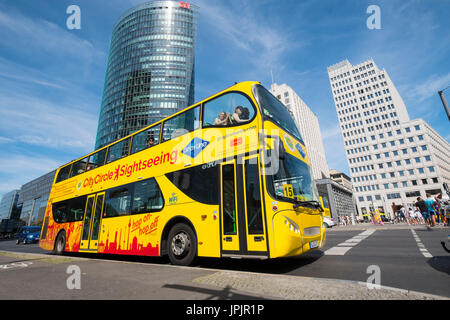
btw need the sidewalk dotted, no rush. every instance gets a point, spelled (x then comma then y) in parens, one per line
(42, 276)
(387, 226)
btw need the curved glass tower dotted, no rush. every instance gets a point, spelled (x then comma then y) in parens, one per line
(150, 71)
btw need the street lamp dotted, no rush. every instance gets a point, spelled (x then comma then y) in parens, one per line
(444, 102)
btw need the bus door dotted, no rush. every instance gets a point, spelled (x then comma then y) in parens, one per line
(243, 227)
(91, 222)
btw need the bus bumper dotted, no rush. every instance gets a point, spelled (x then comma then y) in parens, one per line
(296, 233)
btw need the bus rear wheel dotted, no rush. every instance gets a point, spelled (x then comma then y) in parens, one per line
(60, 243)
(182, 245)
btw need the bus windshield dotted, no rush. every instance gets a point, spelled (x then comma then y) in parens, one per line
(293, 180)
(274, 110)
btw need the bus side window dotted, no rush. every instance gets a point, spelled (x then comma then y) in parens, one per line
(181, 124)
(76, 212)
(145, 139)
(63, 173)
(118, 150)
(118, 202)
(227, 110)
(147, 197)
(199, 183)
(78, 167)
(96, 160)
(60, 211)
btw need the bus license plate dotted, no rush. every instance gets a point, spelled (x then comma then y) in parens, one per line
(314, 244)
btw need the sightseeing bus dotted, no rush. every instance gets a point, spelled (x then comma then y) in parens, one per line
(226, 177)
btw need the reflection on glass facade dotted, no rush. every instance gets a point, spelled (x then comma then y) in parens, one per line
(8, 205)
(34, 197)
(150, 72)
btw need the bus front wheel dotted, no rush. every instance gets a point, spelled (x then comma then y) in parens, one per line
(182, 245)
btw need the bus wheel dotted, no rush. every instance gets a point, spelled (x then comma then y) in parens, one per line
(182, 245)
(60, 243)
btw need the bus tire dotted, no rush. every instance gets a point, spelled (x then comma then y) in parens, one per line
(182, 245)
(60, 243)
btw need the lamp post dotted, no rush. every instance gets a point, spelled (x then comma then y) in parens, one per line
(444, 102)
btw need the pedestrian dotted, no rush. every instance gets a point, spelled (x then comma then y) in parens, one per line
(418, 216)
(430, 202)
(403, 214)
(421, 205)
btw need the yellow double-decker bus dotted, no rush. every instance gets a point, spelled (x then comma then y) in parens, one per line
(226, 177)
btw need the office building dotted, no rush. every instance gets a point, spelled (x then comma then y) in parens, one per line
(341, 178)
(340, 198)
(308, 125)
(150, 70)
(8, 205)
(391, 158)
(33, 198)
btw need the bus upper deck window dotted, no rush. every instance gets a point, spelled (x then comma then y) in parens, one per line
(228, 110)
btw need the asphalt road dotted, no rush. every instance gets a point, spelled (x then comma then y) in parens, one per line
(410, 259)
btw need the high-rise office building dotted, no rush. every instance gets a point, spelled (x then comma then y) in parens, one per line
(150, 71)
(308, 124)
(391, 158)
(8, 205)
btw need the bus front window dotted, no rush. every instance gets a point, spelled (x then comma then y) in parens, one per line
(275, 111)
(293, 181)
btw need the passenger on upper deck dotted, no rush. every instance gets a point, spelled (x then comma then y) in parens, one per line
(240, 115)
(223, 119)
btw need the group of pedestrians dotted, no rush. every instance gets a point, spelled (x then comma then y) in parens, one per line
(427, 211)
(344, 220)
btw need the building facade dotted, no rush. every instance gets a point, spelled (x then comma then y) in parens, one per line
(308, 125)
(8, 205)
(341, 178)
(33, 198)
(391, 158)
(340, 198)
(150, 70)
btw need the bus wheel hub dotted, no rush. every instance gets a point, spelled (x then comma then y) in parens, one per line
(180, 243)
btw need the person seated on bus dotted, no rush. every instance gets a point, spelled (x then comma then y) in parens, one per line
(150, 142)
(238, 115)
(222, 120)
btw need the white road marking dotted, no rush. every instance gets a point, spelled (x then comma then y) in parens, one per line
(342, 248)
(422, 248)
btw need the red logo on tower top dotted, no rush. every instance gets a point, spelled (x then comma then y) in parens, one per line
(184, 5)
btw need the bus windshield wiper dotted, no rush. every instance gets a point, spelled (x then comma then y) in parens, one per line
(312, 203)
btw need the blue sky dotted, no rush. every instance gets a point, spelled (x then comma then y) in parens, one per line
(51, 78)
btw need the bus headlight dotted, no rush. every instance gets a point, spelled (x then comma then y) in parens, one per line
(292, 225)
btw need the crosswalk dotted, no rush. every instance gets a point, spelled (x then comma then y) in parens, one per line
(421, 246)
(343, 247)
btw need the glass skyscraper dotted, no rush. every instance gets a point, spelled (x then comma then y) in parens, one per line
(150, 71)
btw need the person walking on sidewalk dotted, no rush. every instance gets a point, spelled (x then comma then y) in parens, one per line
(420, 204)
(430, 202)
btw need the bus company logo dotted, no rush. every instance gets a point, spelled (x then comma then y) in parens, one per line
(300, 149)
(194, 148)
(173, 199)
(80, 184)
(289, 142)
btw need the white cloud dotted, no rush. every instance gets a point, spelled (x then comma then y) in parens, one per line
(36, 121)
(429, 87)
(42, 36)
(17, 169)
(247, 29)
